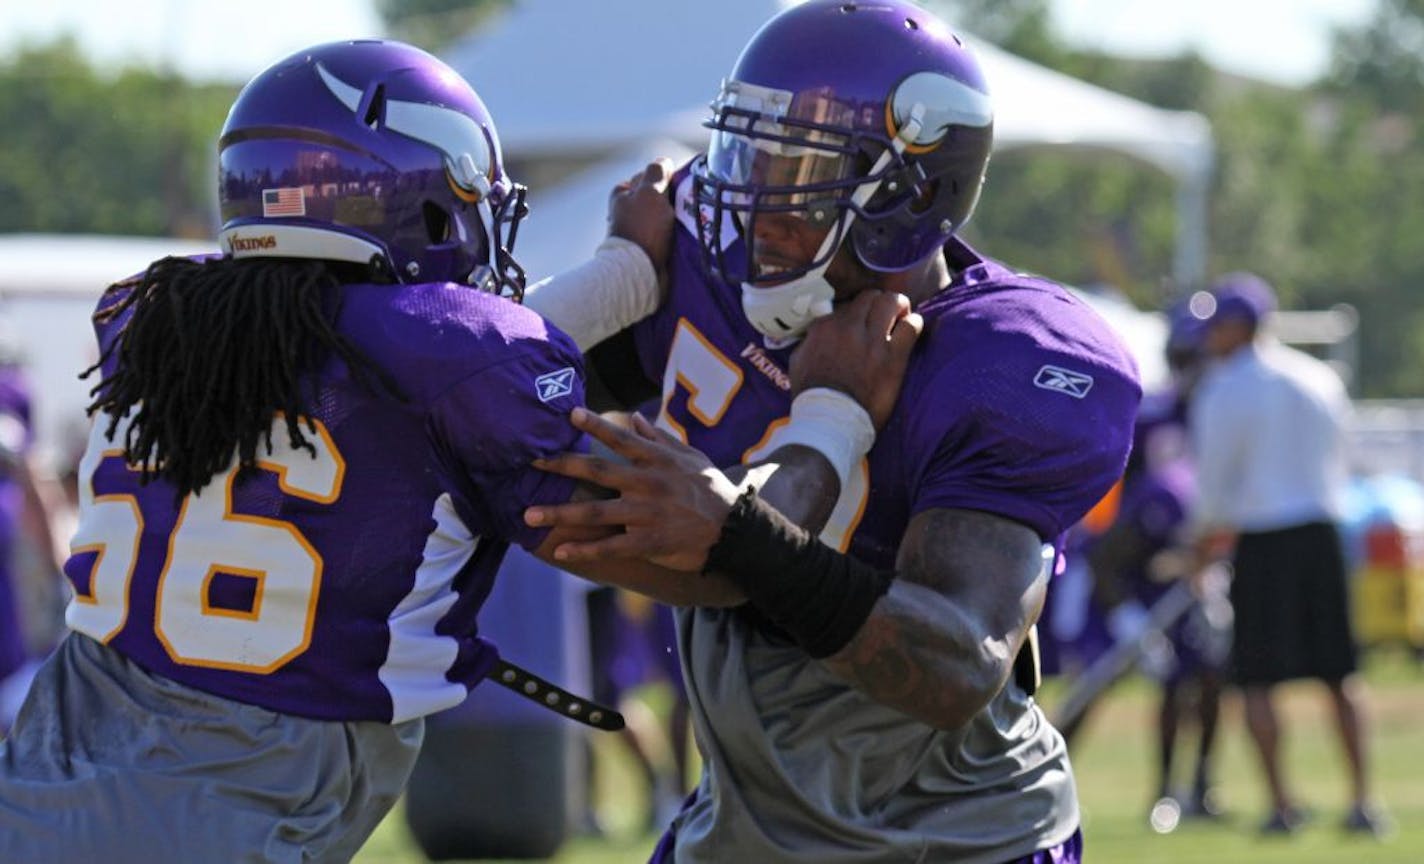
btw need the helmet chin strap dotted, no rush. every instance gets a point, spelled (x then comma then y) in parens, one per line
(782, 313)
(483, 276)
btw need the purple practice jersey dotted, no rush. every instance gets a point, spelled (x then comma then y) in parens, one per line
(344, 585)
(15, 438)
(1018, 400)
(1157, 493)
(1155, 504)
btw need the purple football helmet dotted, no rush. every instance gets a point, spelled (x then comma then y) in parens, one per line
(1243, 296)
(1186, 332)
(373, 152)
(871, 119)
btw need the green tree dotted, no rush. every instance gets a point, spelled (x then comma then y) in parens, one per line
(1384, 59)
(1361, 240)
(1020, 27)
(434, 24)
(1185, 82)
(130, 154)
(1082, 218)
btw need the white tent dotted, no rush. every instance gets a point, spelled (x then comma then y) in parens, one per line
(49, 284)
(580, 81)
(565, 223)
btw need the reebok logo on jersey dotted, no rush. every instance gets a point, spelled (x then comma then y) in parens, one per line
(1064, 381)
(552, 385)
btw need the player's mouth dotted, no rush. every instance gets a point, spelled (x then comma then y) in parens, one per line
(776, 271)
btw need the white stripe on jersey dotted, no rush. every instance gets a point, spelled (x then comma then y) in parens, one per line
(414, 671)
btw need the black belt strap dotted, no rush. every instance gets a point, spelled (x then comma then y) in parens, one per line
(555, 698)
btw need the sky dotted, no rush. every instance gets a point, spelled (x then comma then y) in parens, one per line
(1279, 40)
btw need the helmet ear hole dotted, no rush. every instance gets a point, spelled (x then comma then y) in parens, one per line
(872, 238)
(437, 222)
(925, 197)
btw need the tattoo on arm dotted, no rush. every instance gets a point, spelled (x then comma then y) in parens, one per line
(941, 643)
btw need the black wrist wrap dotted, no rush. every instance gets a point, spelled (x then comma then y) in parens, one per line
(819, 596)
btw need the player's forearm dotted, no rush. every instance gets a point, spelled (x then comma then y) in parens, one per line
(665, 586)
(615, 288)
(924, 655)
(935, 639)
(672, 587)
(812, 456)
(941, 643)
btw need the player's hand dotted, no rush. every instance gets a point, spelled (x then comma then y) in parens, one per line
(862, 349)
(1209, 550)
(671, 505)
(639, 210)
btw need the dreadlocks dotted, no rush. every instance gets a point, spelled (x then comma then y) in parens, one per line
(212, 351)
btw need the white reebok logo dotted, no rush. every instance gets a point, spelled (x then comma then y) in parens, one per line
(1064, 381)
(552, 385)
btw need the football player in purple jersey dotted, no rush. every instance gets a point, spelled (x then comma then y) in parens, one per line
(861, 704)
(309, 456)
(27, 513)
(1177, 620)
(632, 644)
(1201, 642)
(14, 442)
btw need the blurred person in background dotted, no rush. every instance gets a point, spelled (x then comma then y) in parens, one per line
(1141, 566)
(1073, 629)
(862, 705)
(30, 550)
(1268, 433)
(633, 645)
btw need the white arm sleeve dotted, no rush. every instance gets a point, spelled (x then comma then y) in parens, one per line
(612, 290)
(833, 424)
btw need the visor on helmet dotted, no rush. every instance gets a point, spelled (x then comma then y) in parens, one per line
(772, 154)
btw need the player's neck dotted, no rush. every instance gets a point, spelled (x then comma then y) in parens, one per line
(922, 281)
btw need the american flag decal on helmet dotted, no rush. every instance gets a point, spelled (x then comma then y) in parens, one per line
(286, 201)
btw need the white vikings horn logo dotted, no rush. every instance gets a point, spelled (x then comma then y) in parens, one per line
(468, 157)
(945, 102)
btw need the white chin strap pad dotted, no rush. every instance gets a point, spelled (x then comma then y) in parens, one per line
(784, 312)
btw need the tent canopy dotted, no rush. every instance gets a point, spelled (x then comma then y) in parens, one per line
(587, 80)
(48, 286)
(564, 78)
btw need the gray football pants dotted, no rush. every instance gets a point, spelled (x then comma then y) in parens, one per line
(109, 763)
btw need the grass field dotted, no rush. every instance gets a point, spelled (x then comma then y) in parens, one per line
(1112, 761)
